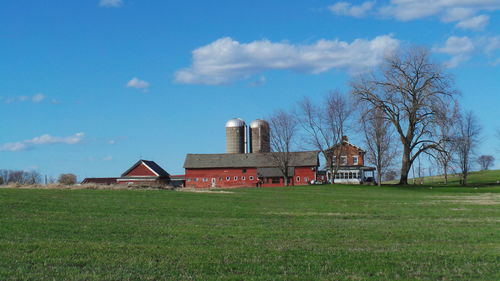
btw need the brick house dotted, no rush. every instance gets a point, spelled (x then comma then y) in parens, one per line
(247, 169)
(350, 160)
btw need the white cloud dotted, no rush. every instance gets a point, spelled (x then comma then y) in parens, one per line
(259, 82)
(107, 158)
(226, 60)
(457, 47)
(42, 140)
(138, 84)
(475, 23)
(38, 98)
(347, 9)
(467, 14)
(111, 3)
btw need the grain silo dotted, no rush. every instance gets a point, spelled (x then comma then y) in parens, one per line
(259, 136)
(236, 136)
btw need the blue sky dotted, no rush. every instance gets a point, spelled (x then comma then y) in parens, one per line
(91, 86)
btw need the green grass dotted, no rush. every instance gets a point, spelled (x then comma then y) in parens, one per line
(475, 178)
(299, 233)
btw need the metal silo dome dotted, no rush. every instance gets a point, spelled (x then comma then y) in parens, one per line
(236, 136)
(259, 136)
(259, 123)
(236, 122)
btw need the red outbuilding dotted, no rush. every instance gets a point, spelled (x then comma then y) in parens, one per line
(248, 169)
(144, 172)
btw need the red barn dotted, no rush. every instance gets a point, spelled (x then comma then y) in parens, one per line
(144, 172)
(247, 169)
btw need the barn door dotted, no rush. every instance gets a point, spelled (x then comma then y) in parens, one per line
(213, 182)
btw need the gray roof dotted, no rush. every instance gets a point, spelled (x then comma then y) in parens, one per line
(247, 160)
(274, 172)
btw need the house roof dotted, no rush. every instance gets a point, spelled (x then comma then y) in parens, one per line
(247, 160)
(151, 165)
(344, 142)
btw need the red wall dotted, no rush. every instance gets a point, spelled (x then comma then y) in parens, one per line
(220, 176)
(141, 170)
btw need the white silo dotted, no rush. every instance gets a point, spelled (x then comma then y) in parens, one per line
(235, 136)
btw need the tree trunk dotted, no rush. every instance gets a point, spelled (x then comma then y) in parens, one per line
(405, 165)
(379, 178)
(445, 174)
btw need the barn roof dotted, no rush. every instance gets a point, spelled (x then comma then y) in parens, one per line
(247, 160)
(99, 180)
(151, 165)
(273, 172)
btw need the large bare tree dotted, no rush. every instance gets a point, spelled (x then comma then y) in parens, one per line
(283, 127)
(410, 90)
(379, 141)
(466, 142)
(324, 125)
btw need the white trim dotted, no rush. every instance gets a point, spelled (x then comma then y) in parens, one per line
(135, 179)
(142, 162)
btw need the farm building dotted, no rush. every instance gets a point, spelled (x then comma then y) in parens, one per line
(350, 160)
(143, 172)
(247, 169)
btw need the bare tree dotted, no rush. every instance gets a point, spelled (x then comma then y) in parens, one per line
(445, 130)
(325, 124)
(283, 127)
(410, 90)
(67, 179)
(379, 141)
(485, 161)
(466, 142)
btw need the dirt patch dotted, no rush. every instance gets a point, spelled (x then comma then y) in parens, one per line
(481, 199)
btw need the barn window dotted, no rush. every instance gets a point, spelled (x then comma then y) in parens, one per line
(355, 160)
(243, 178)
(244, 171)
(298, 179)
(205, 179)
(275, 180)
(188, 179)
(228, 178)
(235, 178)
(196, 179)
(306, 179)
(251, 178)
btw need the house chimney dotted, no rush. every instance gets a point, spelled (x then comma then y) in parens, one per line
(344, 139)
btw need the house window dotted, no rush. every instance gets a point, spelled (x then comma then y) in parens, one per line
(275, 180)
(228, 178)
(355, 160)
(243, 178)
(334, 159)
(350, 175)
(251, 178)
(235, 178)
(297, 179)
(343, 160)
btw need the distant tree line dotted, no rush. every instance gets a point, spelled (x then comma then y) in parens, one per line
(20, 177)
(32, 177)
(408, 108)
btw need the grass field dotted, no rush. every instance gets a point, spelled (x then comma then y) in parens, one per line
(479, 178)
(299, 233)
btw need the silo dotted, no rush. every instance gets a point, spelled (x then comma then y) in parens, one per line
(259, 136)
(235, 136)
